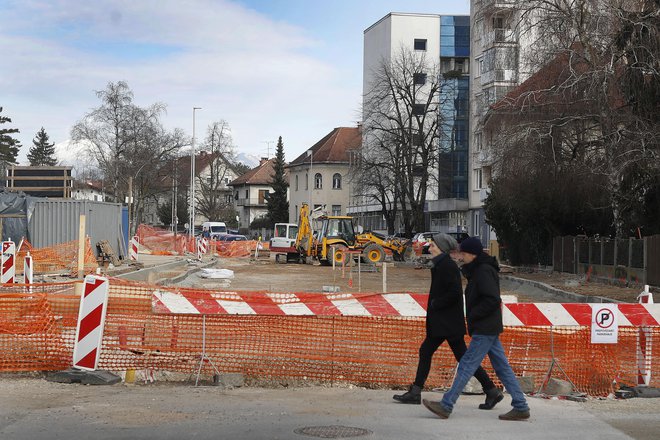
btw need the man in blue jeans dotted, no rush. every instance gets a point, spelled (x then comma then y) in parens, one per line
(484, 321)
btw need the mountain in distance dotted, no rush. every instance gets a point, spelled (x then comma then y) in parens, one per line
(248, 159)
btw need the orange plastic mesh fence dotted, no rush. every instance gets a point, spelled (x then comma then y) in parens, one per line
(59, 257)
(37, 332)
(164, 242)
(31, 332)
(229, 249)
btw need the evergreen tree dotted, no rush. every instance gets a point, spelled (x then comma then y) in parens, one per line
(8, 145)
(42, 153)
(278, 206)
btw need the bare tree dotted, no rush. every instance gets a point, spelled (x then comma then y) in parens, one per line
(129, 144)
(589, 118)
(211, 200)
(400, 137)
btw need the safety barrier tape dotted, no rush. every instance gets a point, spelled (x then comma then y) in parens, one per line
(388, 304)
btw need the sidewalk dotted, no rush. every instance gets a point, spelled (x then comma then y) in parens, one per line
(36, 409)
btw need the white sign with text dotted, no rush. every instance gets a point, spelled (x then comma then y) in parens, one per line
(604, 323)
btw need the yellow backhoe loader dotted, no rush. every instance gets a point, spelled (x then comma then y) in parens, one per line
(334, 235)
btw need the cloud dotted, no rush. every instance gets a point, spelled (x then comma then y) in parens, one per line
(260, 75)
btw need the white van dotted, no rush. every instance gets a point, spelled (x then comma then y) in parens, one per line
(214, 228)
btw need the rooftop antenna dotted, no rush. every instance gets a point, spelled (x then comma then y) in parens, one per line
(268, 147)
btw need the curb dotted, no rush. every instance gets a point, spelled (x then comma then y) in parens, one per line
(569, 296)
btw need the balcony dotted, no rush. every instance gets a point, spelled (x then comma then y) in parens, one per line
(483, 194)
(500, 36)
(499, 75)
(497, 5)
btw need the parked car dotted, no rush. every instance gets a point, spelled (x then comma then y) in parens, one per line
(423, 239)
(231, 237)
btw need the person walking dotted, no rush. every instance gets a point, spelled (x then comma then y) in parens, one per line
(445, 321)
(484, 320)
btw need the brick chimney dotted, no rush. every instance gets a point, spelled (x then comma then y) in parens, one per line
(263, 160)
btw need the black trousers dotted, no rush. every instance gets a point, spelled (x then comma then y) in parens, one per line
(458, 347)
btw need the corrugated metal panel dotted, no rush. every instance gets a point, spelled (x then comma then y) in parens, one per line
(57, 221)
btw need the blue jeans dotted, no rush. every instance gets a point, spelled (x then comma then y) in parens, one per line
(480, 346)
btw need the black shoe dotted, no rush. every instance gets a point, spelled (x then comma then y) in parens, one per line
(437, 408)
(515, 414)
(413, 395)
(493, 397)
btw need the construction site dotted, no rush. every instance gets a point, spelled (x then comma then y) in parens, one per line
(194, 312)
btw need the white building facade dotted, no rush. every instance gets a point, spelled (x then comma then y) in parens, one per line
(500, 43)
(319, 177)
(444, 42)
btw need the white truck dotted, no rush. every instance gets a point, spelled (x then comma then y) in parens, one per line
(283, 243)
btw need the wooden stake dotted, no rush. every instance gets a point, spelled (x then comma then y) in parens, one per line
(81, 246)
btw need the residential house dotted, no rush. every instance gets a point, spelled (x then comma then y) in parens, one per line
(175, 182)
(251, 192)
(89, 190)
(319, 176)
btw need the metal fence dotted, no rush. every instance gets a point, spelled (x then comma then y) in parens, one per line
(624, 260)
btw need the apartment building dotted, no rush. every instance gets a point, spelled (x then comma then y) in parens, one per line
(500, 62)
(444, 42)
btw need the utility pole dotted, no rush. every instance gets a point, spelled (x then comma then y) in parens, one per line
(130, 206)
(192, 178)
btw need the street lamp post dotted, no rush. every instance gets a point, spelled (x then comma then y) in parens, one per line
(192, 178)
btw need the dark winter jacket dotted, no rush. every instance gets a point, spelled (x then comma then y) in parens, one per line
(444, 315)
(482, 296)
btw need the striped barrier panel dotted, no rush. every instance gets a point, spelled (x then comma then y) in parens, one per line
(133, 251)
(8, 274)
(644, 344)
(389, 304)
(28, 270)
(91, 321)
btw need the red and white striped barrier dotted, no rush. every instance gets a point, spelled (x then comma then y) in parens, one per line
(28, 270)
(644, 344)
(133, 251)
(388, 304)
(8, 274)
(202, 247)
(91, 320)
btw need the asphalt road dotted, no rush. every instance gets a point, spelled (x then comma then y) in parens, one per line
(36, 409)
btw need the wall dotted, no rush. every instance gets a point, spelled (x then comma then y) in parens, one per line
(57, 221)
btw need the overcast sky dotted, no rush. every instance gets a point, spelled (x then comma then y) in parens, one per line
(290, 68)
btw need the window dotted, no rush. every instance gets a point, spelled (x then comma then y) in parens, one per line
(418, 139)
(306, 181)
(236, 195)
(336, 209)
(445, 65)
(460, 65)
(228, 198)
(296, 182)
(336, 181)
(247, 194)
(263, 196)
(226, 180)
(420, 44)
(318, 181)
(478, 178)
(419, 79)
(418, 109)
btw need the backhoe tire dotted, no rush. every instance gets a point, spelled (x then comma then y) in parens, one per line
(341, 256)
(373, 253)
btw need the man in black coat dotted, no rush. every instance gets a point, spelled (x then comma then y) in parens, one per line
(484, 320)
(445, 321)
